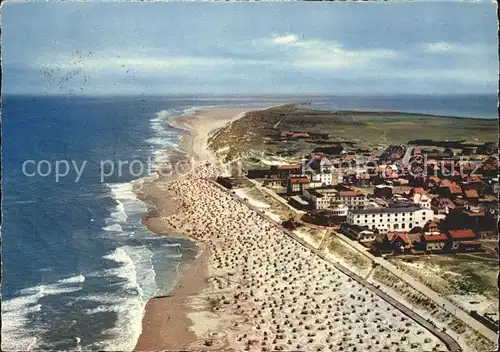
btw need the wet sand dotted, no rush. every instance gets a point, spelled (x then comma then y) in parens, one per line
(165, 324)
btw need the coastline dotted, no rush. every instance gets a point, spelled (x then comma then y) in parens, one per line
(165, 322)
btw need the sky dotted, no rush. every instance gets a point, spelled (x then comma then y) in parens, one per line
(241, 48)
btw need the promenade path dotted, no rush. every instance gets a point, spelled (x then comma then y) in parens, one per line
(450, 343)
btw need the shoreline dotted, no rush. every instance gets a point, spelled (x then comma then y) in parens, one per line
(165, 321)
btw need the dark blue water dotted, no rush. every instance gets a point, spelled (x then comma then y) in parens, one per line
(473, 106)
(78, 266)
(76, 259)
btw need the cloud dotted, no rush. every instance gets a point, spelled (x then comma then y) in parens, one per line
(326, 54)
(439, 47)
(118, 62)
(456, 48)
(286, 39)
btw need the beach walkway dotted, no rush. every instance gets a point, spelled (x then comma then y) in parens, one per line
(451, 343)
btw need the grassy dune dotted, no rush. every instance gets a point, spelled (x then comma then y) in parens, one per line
(255, 135)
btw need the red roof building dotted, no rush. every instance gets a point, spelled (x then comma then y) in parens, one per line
(434, 243)
(435, 238)
(289, 167)
(471, 194)
(469, 246)
(399, 241)
(350, 194)
(461, 235)
(302, 179)
(432, 182)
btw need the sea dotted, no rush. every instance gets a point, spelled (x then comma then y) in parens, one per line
(78, 264)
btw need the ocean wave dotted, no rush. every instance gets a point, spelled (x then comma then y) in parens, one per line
(127, 204)
(166, 135)
(72, 280)
(18, 202)
(113, 228)
(138, 273)
(17, 335)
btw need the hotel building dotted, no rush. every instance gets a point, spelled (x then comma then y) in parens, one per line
(393, 218)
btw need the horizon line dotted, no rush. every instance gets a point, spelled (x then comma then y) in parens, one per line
(254, 94)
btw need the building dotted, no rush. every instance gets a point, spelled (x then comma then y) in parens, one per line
(362, 179)
(471, 196)
(419, 196)
(318, 200)
(489, 169)
(456, 237)
(489, 204)
(339, 210)
(299, 203)
(442, 205)
(397, 218)
(297, 184)
(383, 191)
(481, 223)
(258, 173)
(449, 188)
(359, 233)
(324, 179)
(431, 228)
(493, 186)
(328, 197)
(434, 242)
(353, 199)
(432, 182)
(473, 183)
(283, 171)
(400, 242)
(273, 182)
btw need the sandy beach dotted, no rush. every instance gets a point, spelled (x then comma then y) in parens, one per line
(165, 322)
(252, 287)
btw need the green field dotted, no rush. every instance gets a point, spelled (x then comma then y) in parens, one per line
(257, 134)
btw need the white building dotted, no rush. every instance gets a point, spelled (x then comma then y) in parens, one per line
(323, 198)
(339, 210)
(359, 233)
(317, 199)
(326, 166)
(353, 199)
(324, 179)
(394, 218)
(419, 196)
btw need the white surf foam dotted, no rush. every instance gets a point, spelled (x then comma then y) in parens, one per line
(138, 273)
(166, 136)
(127, 205)
(113, 228)
(72, 280)
(16, 312)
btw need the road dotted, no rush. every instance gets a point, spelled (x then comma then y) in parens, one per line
(442, 302)
(275, 196)
(450, 343)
